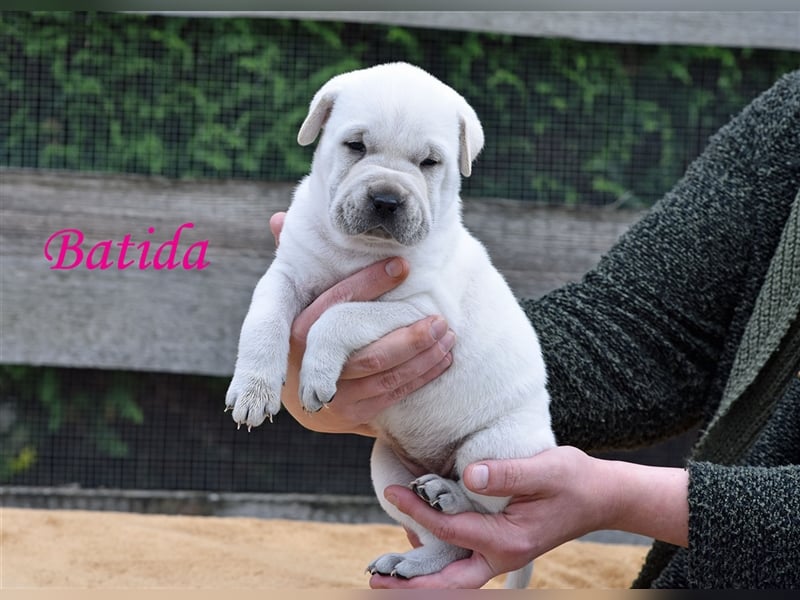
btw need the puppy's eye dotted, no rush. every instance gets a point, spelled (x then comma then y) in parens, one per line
(429, 162)
(358, 147)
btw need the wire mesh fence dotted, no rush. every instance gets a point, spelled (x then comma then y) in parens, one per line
(105, 429)
(566, 122)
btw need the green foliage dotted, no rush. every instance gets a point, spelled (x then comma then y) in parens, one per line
(39, 403)
(566, 121)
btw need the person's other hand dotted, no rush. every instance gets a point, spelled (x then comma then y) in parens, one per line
(556, 496)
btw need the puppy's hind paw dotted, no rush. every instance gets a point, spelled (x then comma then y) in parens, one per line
(385, 565)
(419, 561)
(444, 495)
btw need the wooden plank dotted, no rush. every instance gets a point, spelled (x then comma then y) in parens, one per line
(188, 320)
(775, 28)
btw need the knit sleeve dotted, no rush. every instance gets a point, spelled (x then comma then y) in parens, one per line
(753, 513)
(640, 349)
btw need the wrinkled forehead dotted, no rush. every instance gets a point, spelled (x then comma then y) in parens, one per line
(406, 117)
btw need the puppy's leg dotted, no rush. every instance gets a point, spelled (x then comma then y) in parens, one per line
(340, 331)
(433, 555)
(510, 437)
(520, 434)
(517, 436)
(255, 390)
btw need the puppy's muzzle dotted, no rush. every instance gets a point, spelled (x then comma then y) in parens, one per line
(381, 210)
(385, 204)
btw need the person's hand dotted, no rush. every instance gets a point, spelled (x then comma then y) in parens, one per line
(557, 495)
(378, 375)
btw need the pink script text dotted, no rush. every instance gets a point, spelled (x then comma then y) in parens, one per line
(63, 248)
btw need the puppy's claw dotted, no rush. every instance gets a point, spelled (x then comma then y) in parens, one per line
(311, 412)
(419, 490)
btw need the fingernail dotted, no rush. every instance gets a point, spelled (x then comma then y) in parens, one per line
(447, 342)
(438, 328)
(479, 477)
(394, 268)
(391, 497)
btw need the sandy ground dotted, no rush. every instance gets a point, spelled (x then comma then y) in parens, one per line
(77, 549)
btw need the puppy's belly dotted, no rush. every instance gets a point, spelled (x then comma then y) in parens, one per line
(427, 432)
(431, 458)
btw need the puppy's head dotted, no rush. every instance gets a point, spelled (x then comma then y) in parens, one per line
(395, 143)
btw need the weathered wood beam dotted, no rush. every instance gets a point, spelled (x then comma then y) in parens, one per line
(771, 26)
(177, 320)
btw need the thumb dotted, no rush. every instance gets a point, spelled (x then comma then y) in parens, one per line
(510, 477)
(276, 225)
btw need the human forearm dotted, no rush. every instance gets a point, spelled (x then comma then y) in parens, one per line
(744, 526)
(615, 377)
(650, 501)
(641, 348)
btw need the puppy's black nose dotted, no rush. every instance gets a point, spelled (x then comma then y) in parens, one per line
(385, 203)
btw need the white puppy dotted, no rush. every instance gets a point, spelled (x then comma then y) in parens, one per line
(385, 181)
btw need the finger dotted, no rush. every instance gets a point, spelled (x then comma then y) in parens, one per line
(397, 348)
(276, 225)
(411, 381)
(363, 411)
(367, 284)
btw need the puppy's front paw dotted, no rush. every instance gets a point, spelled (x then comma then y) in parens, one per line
(253, 398)
(317, 383)
(442, 494)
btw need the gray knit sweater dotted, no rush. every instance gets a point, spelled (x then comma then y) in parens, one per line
(693, 318)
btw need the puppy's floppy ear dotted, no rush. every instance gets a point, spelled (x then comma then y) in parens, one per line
(470, 140)
(318, 114)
